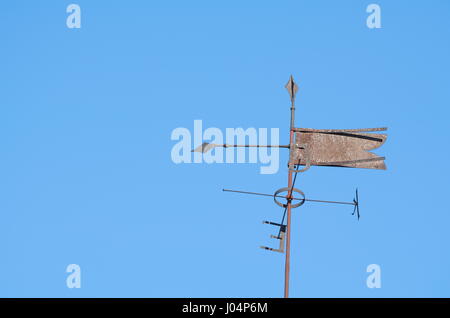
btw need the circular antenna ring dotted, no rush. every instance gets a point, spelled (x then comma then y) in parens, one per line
(283, 205)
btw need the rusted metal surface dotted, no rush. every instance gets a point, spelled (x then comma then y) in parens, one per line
(338, 147)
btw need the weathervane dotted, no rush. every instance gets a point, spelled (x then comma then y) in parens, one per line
(314, 147)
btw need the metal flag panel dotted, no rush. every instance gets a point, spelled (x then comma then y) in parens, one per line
(338, 147)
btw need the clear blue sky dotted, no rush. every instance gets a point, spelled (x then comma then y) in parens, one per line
(87, 178)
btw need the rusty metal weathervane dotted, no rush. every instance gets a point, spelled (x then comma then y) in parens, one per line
(314, 147)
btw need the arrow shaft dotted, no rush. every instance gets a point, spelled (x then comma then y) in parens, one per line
(257, 146)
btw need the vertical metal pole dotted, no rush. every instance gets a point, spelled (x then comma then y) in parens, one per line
(292, 91)
(288, 238)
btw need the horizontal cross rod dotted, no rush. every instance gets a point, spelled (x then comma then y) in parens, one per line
(258, 146)
(205, 147)
(362, 130)
(286, 197)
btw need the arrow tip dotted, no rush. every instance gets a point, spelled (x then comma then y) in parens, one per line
(205, 147)
(291, 87)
